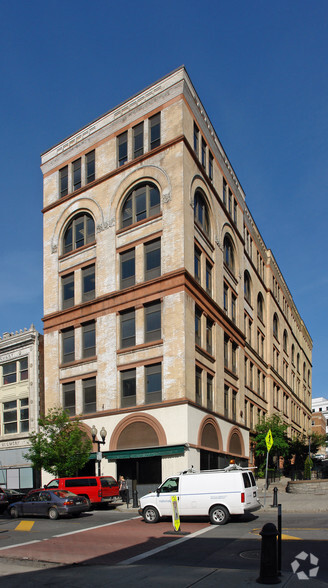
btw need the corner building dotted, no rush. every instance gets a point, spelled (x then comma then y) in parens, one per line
(166, 318)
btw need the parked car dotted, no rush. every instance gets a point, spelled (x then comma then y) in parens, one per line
(51, 503)
(14, 495)
(97, 489)
(3, 501)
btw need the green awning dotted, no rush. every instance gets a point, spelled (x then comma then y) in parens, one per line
(141, 452)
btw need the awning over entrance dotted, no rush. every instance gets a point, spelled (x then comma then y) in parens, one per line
(141, 452)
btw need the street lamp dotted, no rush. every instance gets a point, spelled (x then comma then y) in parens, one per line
(103, 435)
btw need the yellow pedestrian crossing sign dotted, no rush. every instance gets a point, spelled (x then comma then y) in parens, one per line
(269, 440)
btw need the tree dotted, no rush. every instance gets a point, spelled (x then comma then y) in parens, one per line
(280, 445)
(60, 447)
(301, 446)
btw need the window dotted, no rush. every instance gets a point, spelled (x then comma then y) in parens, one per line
(63, 181)
(89, 395)
(198, 326)
(127, 261)
(209, 392)
(197, 265)
(226, 351)
(275, 325)
(198, 385)
(201, 213)
(228, 253)
(235, 211)
(128, 388)
(152, 259)
(15, 416)
(89, 339)
(122, 148)
(209, 337)
(90, 167)
(224, 192)
(229, 201)
(23, 368)
(88, 283)
(196, 139)
(9, 373)
(247, 286)
(79, 232)
(234, 348)
(155, 130)
(67, 291)
(225, 297)
(128, 328)
(210, 165)
(141, 203)
(226, 401)
(260, 306)
(153, 380)
(138, 139)
(153, 321)
(68, 345)
(234, 405)
(203, 153)
(208, 278)
(76, 174)
(233, 307)
(285, 341)
(69, 398)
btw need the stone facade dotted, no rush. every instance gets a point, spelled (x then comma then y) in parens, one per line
(185, 353)
(22, 398)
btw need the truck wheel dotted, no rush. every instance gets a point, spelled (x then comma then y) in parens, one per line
(150, 514)
(219, 515)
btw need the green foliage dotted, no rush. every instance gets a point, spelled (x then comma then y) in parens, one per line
(307, 468)
(279, 434)
(60, 447)
(301, 446)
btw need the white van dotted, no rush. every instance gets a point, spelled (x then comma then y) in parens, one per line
(214, 493)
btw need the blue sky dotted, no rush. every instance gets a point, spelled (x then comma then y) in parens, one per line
(260, 69)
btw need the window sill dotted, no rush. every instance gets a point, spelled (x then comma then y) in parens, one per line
(78, 362)
(140, 346)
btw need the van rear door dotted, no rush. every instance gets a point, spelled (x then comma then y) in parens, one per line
(109, 488)
(250, 489)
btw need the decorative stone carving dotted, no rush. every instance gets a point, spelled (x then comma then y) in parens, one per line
(54, 248)
(166, 196)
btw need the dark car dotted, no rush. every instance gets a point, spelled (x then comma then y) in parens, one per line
(3, 501)
(49, 503)
(14, 495)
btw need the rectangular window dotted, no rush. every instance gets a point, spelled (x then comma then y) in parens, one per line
(69, 398)
(209, 392)
(198, 326)
(128, 328)
(208, 278)
(128, 388)
(198, 385)
(224, 192)
(89, 395)
(210, 165)
(89, 339)
(23, 368)
(230, 201)
(225, 297)
(251, 412)
(63, 181)
(138, 140)
(24, 415)
(9, 375)
(235, 211)
(197, 264)
(234, 405)
(234, 357)
(15, 416)
(153, 381)
(152, 259)
(76, 174)
(90, 167)
(233, 307)
(226, 401)
(67, 291)
(153, 321)
(155, 130)
(122, 148)
(226, 351)
(88, 283)
(196, 139)
(209, 337)
(127, 262)
(68, 345)
(203, 153)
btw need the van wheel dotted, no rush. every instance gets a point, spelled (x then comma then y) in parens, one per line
(219, 515)
(150, 514)
(53, 514)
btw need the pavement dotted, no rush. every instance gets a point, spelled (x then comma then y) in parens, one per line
(145, 573)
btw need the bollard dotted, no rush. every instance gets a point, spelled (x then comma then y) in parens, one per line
(135, 499)
(269, 567)
(275, 497)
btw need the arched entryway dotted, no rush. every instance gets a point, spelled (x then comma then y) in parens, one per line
(210, 442)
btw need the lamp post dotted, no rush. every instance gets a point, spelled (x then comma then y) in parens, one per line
(103, 435)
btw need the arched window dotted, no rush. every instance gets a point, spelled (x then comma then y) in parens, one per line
(275, 325)
(142, 202)
(260, 306)
(79, 232)
(228, 252)
(247, 286)
(201, 216)
(285, 341)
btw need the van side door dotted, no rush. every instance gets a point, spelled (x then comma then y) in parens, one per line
(168, 489)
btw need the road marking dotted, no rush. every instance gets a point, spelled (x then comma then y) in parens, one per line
(290, 537)
(25, 526)
(132, 560)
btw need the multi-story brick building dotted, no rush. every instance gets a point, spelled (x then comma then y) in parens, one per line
(167, 320)
(21, 393)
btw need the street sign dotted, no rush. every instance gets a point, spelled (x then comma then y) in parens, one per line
(269, 440)
(175, 513)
